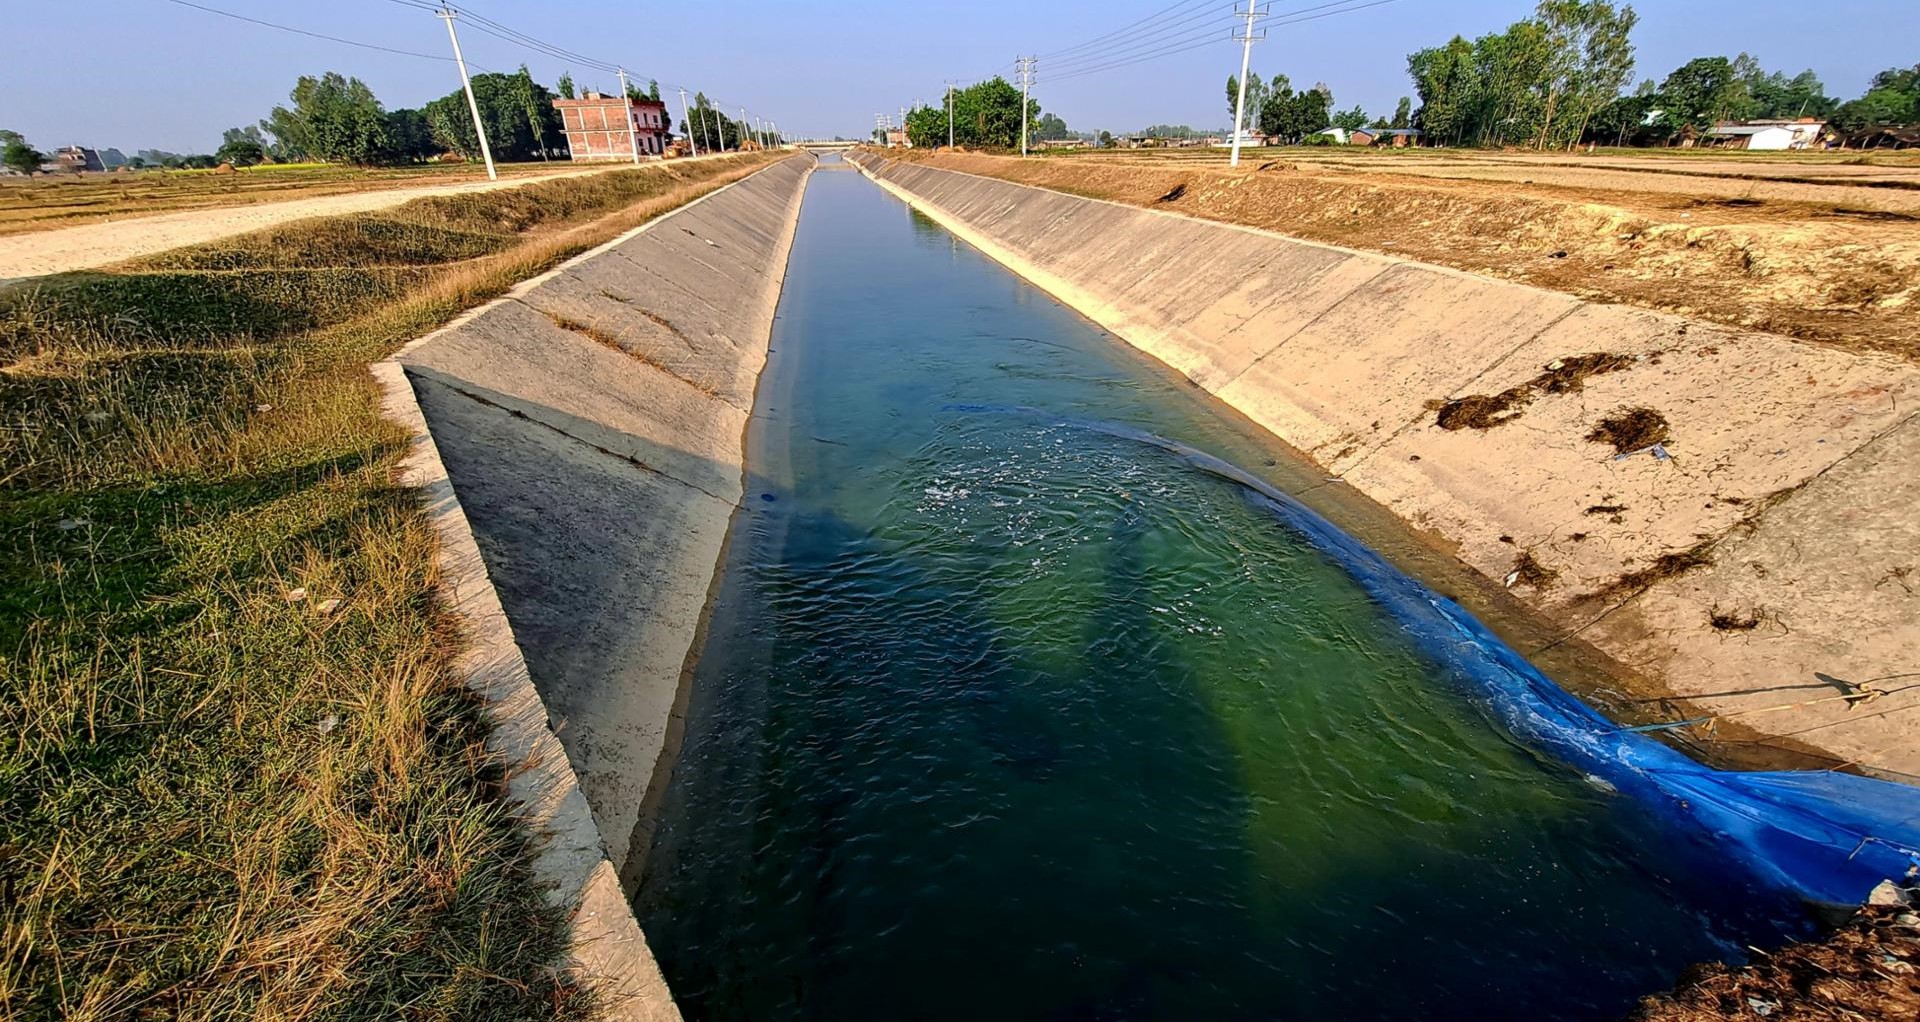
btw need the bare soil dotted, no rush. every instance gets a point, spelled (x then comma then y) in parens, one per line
(1806, 245)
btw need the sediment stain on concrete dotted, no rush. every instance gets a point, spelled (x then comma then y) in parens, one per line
(1793, 460)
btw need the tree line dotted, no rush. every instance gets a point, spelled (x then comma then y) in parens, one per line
(1274, 109)
(985, 115)
(333, 118)
(1558, 79)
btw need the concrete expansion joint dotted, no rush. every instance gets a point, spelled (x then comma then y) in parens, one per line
(576, 438)
(1304, 327)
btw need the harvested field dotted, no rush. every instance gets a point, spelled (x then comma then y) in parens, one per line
(1819, 246)
(65, 200)
(240, 776)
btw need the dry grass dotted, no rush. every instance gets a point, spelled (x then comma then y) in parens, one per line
(238, 776)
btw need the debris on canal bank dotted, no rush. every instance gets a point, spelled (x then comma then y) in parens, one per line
(1870, 969)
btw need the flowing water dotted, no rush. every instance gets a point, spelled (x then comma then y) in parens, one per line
(1005, 714)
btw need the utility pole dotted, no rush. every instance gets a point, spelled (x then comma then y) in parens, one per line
(626, 107)
(686, 118)
(1254, 13)
(950, 86)
(1026, 92)
(706, 125)
(473, 107)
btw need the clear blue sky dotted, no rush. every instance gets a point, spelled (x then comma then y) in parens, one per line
(150, 74)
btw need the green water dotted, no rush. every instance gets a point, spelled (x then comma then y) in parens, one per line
(1005, 718)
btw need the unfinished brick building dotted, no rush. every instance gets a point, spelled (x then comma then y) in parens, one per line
(601, 127)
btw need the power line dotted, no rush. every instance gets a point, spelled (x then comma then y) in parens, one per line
(1295, 17)
(1133, 49)
(304, 32)
(1123, 30)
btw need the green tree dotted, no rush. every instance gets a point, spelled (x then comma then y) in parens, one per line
(242, 147)
(1893, 97)
(333, 118)
(1402, 114)
(1699, 93)
(17, 155)
(1294, 115)
(1259, 93)
(1351, 120)
(412, 135)
(1446, 79)
(986, 114)
(1051, 128)
(1588, 60)
(1106, 140)
(565, 85)
(517, 111)
(535, 103)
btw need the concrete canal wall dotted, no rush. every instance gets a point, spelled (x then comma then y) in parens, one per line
(1785, 512)
(581, 442)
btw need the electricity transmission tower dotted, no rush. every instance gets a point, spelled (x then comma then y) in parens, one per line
(1253, 13)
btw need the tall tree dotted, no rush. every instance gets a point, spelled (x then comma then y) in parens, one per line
(517, 111)
(333, 118)
(1402, 114)
(565, 85)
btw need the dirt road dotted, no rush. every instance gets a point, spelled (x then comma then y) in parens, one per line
(80, 248)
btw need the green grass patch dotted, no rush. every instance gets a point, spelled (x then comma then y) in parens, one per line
(239, 777)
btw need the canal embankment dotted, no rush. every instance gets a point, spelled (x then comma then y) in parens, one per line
(580, 440)
(1723, 514)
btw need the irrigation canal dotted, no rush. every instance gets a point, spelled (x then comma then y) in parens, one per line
(1007, 712)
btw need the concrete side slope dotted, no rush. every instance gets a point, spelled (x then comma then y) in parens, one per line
(1786, 510)
(582, 441)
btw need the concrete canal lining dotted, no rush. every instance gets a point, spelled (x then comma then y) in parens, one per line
(580, 441)
(1784, 509)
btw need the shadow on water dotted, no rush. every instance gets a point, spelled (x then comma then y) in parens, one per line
(999, 719)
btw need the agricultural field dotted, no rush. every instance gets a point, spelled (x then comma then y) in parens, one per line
(52, 201)
(1821, 246)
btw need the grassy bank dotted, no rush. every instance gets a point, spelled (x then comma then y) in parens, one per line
(237, 775)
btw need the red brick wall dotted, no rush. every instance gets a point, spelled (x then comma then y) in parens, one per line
(603, 128)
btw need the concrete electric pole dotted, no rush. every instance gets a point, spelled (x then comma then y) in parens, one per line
(633, 129)
(1253, 13)
(1026, 93)
(950, 86)
(743, 129)
(686, 119)
(473, 107)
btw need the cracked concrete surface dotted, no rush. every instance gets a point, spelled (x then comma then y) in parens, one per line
(1797, 466)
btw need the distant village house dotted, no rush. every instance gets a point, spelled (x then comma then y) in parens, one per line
(601, 127)
(1803, 133)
